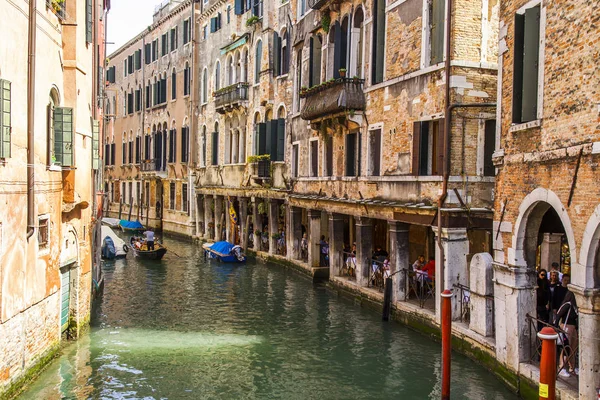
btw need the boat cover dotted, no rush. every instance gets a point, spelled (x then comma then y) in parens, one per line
(112, 222)
(131, 224)
(222, 248)
(108, 249)
(119, 244)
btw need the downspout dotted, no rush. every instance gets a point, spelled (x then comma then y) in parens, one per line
(31, 46)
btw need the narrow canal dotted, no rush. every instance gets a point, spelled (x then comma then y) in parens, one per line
(187, 329)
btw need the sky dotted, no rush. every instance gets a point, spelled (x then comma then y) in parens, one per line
(126, 19)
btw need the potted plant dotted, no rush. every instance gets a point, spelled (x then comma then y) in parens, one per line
(252, 21)
(342, 72)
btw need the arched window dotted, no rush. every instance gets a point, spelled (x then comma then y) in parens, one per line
(244, 77)
(138, 147)
(218, 76)
(173, 143)
(215, 145)
(203, 146)
(314, 73)
(230, 71)
(237, 67)
(280, 53)
(186, 79)
(173, 84)
(52, 104)
(298, 81)
(356, 44)
(205, 86)
(378, 41)
(257, 62)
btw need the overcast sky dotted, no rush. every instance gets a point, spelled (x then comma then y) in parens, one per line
(126, 19)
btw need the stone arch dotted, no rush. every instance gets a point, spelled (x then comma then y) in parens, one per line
(531, 211)
(588, 273)
(281, 111)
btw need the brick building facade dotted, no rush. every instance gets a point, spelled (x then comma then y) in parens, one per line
(46, 252)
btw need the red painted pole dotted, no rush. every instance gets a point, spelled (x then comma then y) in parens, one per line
(548, 364)
(446, 342)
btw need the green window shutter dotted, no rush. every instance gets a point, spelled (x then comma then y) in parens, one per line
(88, 21)
(530, 64)
(138, 59)
(276, 54)
(95, 144)
(63, 136)
(262, 139)
(215, 148)
(517, 100)
(378, 41)
(239, 7)
(437, 31)
(5, 118)
(280, 139)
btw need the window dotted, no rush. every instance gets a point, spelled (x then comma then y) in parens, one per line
(95, 144)
(130, 102)
(328, 145)
(173, 145)
(186, 80)
(124, 150)
(138, 192)
(280, 54)
(526, 65)
(155, 50)
(356, 44)
(352, 158)
(374, 166)
(215, 145)
(163, 89)
(137, 59)
(113, 152)
(138, 148)
(172, 195)
(186, 31)
(130, 148)
(130, 193)
(110, 74)
(205, 86)
(489, 144)
(147, 53)
(239, 7)
(148, 94)
(147, 193)
(184, 197)
(43, 232)
(173, 84)
(174, 38)
(130, 65)
(205, 32)
(257, 8)
(298, 81)
(5, 118)
(428, 147)
(314, 158)
(164, 44)
(218, 76)
(185, 139)
(228, 14)
(125, 68)
(203, 151)
(215, 23)
(257, 62)
(295, 160)
(89, 18)
(63, 136)
(437, 11)
(270, 139)
(314, 72)
(138, 99)
(378, 41)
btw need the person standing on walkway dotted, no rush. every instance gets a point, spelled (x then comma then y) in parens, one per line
(543, 300)
(566, 318)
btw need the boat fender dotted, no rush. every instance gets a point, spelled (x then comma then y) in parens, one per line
(125, 248)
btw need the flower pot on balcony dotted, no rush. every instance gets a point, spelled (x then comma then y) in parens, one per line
(342, 73)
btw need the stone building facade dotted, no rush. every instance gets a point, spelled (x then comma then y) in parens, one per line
(46, 249)
(547, 153)
(150, 103)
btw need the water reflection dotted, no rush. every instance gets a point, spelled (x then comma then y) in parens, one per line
(185, 329)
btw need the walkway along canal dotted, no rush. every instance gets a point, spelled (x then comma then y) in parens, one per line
(183, 328)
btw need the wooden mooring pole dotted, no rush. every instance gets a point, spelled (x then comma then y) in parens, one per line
(446, 342)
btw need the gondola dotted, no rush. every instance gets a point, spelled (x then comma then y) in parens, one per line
(138, 247)
(224, 252)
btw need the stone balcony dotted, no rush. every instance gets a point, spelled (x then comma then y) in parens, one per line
(333, 97)
(231, 97)
(318, 4)
(242, 176)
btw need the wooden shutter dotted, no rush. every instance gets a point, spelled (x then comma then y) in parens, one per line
(416, 148)
(489, 146)
(174, 145)
(530, 64)
(286, 65)
(280, 139)
(351, 154)
(95, 144)
(5, 118)
(138, 149)
(184, 143)
(186, 28)
(113, 150)
(439, 148)
(213, 24)
(215, 148)
(437, 31)
(379, 40)
(269, 139)
(148, 53)
(262, 139)
(63, 136)
(138, 59)
(88, 21)
(310, 63)
(107, 154)
(276, 54)
(518, 68)
(337, 52)
(257, 62)
(239, 7)
(186, 89)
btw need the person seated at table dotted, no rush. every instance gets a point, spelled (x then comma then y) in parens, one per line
(429, 269)
(419, 264)
(386, 268)
(379, 254)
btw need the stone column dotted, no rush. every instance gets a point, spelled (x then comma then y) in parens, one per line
(273, 224)
(364, 249)
(257, 223)
(481, 284)
(314, 235)
(336, 243)
(514, 298)
(243, 201)
(208, 217)
(550, 250)
(295, 236)
(588, 302)
(227, 220)
(456, 248)
(399, 258)
(200, 216)
(219, 220)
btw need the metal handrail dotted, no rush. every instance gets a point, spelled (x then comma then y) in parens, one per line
(378, 271)
(347, 265)
(422, 288)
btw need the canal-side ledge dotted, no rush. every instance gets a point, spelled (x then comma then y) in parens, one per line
(478, 348)
(316, 274)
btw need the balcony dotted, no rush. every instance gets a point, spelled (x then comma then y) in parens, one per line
(333, 97)
(148, 166)
(318, 4)
(231, 97)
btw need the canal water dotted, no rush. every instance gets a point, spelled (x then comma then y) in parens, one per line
(184, 328)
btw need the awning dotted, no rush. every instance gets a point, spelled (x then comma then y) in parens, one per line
(242, 40)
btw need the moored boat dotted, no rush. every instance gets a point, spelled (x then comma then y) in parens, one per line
(139, 249)
(131, 226)
(112, 245)
(224, 252)
(111, 222)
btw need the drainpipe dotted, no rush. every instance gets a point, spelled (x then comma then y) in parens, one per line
(31, 45)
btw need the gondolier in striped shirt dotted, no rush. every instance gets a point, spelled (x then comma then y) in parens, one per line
(149, 235)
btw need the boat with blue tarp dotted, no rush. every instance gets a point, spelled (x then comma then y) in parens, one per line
(224, 252)
(131, 226)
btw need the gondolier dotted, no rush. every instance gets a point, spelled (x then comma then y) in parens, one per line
(149, 235)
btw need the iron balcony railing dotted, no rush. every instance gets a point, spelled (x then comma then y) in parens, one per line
(148, 165)
(332, 97)
(231, 96)
(263, 169)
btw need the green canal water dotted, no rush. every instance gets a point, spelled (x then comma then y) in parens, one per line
(183, 328)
